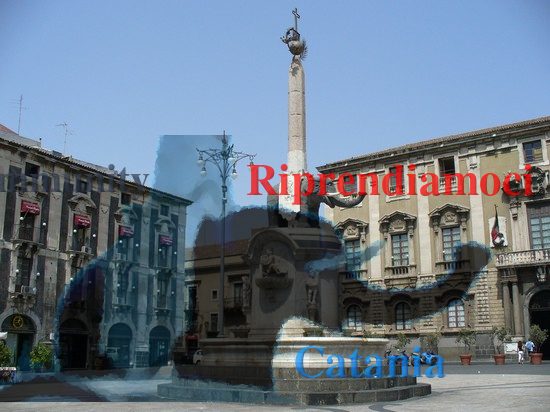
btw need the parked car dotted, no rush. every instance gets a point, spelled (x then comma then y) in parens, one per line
(197, 357)
(112, 353)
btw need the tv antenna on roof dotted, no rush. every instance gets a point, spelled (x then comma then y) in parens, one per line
(19, 103)
(65, 126)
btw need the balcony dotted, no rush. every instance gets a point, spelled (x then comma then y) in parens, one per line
(354, 275)
(23, 294)
(452, 266)
(452, 183)
(191, 317)
(162, 301)
(400, 270)
(26, 233)
(192, 307)
(25, 290)
(233, 303)
(521, 258)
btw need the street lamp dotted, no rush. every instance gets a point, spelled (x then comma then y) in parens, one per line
(225, 159)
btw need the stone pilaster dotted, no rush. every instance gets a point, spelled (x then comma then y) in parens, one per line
(518, 328)
(506, 303)
(482, 300)
(424, 229)
(377, 308)
(376, 270)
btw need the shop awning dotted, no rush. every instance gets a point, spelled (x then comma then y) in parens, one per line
(125, 231)
(30, 207)
(165, 240)
(82, 221)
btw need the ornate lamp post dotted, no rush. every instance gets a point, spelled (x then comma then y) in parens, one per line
(225, 159)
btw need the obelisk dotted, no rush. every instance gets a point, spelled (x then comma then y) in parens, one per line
(297, 154)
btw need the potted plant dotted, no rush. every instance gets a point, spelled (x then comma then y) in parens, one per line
(6, 355)
(370, 334)
(402, 341)
(467, 337)
(538, 336)
(313, 331)
(7, 372)
(41, 356)
(401, 345)
(431, 341)
(498, 337)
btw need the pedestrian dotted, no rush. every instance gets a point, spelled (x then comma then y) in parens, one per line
(520, 352)
(529, 346)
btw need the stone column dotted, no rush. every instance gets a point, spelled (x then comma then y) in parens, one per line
(296, 118)
(506, 303)
(297, 156)
(518, 330)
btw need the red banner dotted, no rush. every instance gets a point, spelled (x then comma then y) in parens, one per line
(125, 231)
(165, 240)
(82, 221)
(30, 207)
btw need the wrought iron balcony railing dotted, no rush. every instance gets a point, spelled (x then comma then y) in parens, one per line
(233, 303)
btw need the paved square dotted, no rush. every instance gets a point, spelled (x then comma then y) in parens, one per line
(482, 387)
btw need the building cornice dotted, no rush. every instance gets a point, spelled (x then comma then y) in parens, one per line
(408, 150)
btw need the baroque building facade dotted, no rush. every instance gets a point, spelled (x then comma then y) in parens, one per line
(414, 238)
(90, 261)
(402, 243)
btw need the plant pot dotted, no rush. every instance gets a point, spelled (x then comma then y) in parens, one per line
(313, 331)
(536, 358)
(101, 362)
(465, 359)
(500, 359)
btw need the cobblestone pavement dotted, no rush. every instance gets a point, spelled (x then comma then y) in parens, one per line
(481, 387)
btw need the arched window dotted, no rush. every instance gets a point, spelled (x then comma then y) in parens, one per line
(455, 314)
(403, 316)
(355, 317)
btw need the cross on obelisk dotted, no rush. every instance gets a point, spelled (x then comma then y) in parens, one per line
(296, 17)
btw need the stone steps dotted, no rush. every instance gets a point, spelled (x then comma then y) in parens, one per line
(365, 396)
(217, 393)
(342, 385)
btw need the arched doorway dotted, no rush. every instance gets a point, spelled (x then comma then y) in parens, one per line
(118, 345)
(539, 313)
(21, 331)
(73, 344)
(159, 346)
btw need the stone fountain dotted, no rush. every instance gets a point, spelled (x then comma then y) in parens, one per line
(289, 307)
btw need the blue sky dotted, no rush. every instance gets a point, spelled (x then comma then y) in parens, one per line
(379, 74)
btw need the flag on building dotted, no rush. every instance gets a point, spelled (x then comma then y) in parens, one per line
(496, 235)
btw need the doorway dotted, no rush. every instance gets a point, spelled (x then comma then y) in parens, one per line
(73, 343)
(118, 345)
(20, 339)
(159, 346)
(539, 313)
